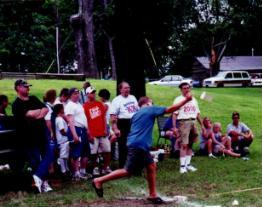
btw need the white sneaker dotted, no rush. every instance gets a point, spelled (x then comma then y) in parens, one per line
(38, 183)
(46, 187)
(191, 168)
(183, 170)
(96, 171)
(212, 156)
(106, 171)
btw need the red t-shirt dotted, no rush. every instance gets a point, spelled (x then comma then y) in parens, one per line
(96, 118)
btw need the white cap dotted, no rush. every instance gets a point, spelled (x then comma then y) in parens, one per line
(90, 89)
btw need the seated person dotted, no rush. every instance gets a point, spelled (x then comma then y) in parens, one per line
(241, 136)
(170, 132)
(222, 144)
(207, 138)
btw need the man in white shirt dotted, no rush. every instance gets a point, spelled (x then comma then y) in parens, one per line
(123, 107)
(77, 133)
(186, 117)
(240, 134)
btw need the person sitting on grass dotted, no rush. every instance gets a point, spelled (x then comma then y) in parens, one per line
(207, 138)
(139, 143)
(222, 144)
(241, 136)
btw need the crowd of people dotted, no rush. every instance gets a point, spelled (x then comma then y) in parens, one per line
(77, 132)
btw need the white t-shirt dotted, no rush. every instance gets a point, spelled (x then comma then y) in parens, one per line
(60, 124)
(57, 101)
(188, 111)
(108, 103)
(78, 113)
(50, 110)
(124, 107)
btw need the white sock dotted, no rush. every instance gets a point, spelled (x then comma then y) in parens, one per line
(66, 164)
(188, 160)
(83, 171)
(182, 161)
(62, 165)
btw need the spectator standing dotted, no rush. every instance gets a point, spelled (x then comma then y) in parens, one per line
(186, 117)
(83, 96)
(139, 143)
(240, 134)
(123, 107)
(63, 97)
(96, 119)
(104, 95)
(29, 113)
(77, 134)
(3, 104)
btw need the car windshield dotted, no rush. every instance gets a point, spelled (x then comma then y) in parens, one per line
(220, 74)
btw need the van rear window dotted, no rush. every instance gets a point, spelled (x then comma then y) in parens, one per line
(245, 75)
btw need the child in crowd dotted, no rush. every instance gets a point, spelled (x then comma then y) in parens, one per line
(104, 95)
(223, 144)
(61, 137)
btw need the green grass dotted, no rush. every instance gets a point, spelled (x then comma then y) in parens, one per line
(223, 175)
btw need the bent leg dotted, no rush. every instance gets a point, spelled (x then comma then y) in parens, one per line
(120, 173)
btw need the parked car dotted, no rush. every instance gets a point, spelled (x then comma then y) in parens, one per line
(228, 78)
(171, 80)
(256, 80)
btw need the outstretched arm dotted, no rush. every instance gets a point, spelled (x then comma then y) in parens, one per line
(174, 107)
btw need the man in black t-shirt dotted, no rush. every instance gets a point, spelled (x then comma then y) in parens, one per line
(32, 140)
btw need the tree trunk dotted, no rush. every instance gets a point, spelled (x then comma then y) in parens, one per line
(129, 47)
(112, 57)
(92, 70)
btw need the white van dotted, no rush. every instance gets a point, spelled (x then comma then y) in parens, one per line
(228, 78)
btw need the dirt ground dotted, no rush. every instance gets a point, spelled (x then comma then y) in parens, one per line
(121, 203)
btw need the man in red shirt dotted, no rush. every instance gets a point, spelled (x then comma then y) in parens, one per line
(95, 112)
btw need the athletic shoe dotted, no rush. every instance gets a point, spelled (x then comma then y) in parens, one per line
(245, 158)
(37, 183)
(83, 176)
(46, 187)
(183, 170)
(96, 171)
(106, 171)
(191, 168)
(212, 156)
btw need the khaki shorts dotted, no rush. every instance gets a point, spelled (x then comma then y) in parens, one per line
(187, 131)
(100, 145)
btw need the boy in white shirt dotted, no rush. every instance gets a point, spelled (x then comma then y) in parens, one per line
(61, 137)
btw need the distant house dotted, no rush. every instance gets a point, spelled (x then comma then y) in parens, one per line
(252, 64)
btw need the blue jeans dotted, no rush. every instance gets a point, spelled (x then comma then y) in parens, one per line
(40, 158)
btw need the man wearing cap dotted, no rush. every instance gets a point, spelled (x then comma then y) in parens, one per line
(77, 133)
(186, 117)
(33, 142)
(96, 119)
(123, 107)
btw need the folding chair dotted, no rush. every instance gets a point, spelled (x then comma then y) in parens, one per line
(161, 120)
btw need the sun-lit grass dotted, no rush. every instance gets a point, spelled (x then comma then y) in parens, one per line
(214, 176)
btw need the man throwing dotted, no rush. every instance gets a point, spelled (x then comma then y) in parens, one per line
(138, 144)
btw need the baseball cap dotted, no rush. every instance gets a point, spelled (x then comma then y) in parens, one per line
(72, 90)
(90, 89)
(22, 82)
